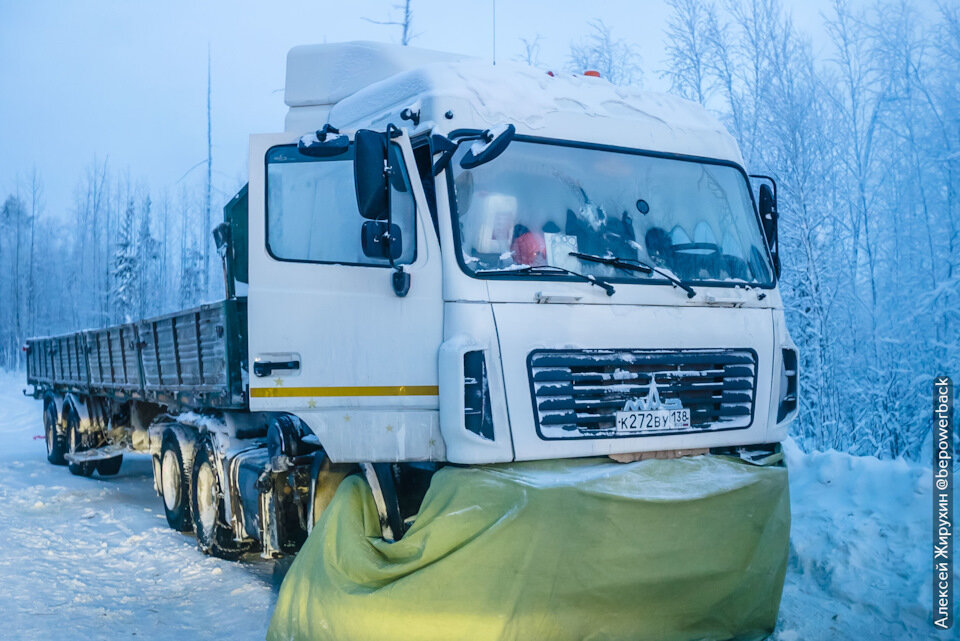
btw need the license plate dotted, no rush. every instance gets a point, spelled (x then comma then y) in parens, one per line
(652, 421)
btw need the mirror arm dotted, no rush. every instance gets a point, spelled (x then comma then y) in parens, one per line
(449, 147)
(327, 129)
(401, 279)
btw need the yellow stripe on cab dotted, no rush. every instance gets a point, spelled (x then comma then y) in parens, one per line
(370, 390)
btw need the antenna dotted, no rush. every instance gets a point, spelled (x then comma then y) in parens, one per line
(207, 213)
(494, 32)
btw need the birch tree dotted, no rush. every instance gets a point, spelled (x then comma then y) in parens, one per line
(615, 59)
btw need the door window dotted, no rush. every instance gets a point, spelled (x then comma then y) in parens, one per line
(312, 213)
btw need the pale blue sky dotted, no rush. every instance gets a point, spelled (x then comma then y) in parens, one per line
(127, 78)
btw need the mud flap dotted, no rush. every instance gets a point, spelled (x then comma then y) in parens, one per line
(690, 548)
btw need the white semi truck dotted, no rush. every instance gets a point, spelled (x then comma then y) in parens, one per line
(441, 261)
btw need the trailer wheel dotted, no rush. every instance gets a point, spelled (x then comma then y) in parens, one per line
(55, 444)
(109, 466)
(214, 536)
(175, 482)
(75, 445)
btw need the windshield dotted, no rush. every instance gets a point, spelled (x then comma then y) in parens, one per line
(539, 202)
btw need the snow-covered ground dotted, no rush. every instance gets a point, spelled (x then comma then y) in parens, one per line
(91, 558)
(94, 559)
(860, 549)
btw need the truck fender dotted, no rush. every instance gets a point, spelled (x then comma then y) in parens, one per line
(91, 410)
(57, 400)
(219, 442)
(186, 436)
(76, 403)
(142, 417)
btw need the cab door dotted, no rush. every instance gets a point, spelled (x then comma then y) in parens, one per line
(329, 339)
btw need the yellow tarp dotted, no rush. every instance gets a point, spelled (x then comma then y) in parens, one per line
(687, 548)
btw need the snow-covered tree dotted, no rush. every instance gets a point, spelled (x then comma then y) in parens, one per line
(615, 59)
(531, 51)
(125, 267)
(13, 225)
(863, 140)
(149, 292)
(404, 21)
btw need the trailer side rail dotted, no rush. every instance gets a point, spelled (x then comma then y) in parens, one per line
(188, 359)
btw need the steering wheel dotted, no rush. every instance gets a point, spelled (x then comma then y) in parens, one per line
(700, 248)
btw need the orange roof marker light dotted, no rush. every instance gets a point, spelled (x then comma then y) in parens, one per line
(592, 73)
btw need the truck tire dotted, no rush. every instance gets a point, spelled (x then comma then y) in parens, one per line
(54, 440)
(75, 445)
(109, 466)
(175, 471)
(214, 535)
(326, 480)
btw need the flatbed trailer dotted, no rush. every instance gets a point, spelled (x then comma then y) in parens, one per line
(189, 360)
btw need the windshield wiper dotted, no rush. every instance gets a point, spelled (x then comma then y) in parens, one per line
(634, 265)
(532, 269)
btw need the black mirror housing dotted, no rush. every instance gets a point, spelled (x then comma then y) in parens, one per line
(370, 174)
(769, 217)
(221, 237)
(495, 143)
(324, 143)
(380, 239)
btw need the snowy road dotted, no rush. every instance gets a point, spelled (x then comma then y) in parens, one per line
(94, 559)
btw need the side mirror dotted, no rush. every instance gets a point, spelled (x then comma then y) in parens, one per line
(380, 239)
(370, 174)
(492, 143)
(769, 218)
(324, 143)
(221, 237)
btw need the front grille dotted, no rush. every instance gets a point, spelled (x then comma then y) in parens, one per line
(577, 393)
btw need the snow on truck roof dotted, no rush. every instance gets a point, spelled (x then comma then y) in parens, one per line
(368, 84)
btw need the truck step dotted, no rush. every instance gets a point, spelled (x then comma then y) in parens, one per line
(98, 454)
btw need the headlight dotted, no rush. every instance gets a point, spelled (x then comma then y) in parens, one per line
(477, 416)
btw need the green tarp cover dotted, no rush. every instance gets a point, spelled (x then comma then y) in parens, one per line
(689, 548)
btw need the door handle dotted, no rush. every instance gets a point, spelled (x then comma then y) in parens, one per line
(557, 297)
(266, 368)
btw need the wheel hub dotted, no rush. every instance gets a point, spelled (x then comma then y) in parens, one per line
(170, 480)
(206, 497)
(48, 432)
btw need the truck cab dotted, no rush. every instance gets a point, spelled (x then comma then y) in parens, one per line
(454, 261)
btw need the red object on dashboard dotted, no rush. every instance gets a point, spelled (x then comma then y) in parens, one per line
(529, 249)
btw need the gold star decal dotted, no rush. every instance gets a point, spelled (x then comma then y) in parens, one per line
(311, 403)
(389, 428)
(278, 381)
(346, 418)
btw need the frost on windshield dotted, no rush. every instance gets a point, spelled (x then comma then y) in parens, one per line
(539, 203)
